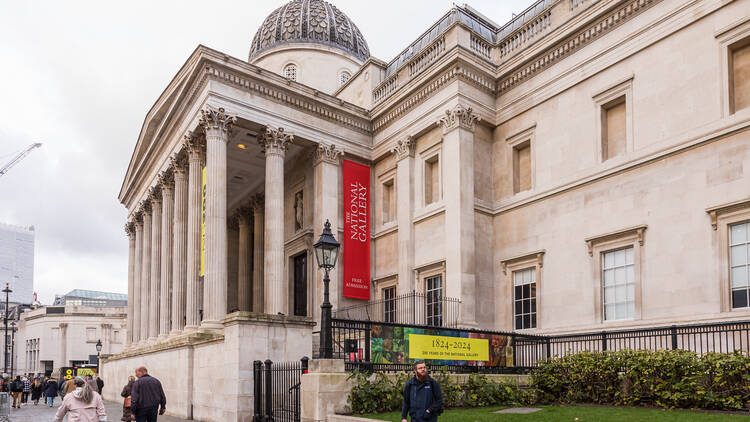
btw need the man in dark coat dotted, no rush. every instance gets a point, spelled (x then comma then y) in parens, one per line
(50, 391)
(423, 400)
(99, 384)
(147, 397)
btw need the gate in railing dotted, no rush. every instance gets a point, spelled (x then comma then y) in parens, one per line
(276, 387)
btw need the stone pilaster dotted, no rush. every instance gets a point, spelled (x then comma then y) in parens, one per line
(404, 152)
(258, 206)
(326, 160)
(135, 298)
(179, 244)
(274, 143)
(458, 165)
(130, 231)
(155, 285)
(233, 255)
(145, 273)
(244, 269)
(63, 344)
(166, 182)
(196, 151)
(217, 126)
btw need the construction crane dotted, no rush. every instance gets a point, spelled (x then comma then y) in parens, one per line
(19, 157)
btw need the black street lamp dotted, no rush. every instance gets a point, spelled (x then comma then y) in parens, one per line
(7, 291)
(98, 354)
(326, 252)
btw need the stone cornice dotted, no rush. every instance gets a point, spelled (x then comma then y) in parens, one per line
(326, 153)
(189, 340)
(572, 43)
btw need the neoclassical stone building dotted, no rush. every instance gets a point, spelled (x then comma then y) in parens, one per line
(584, 166)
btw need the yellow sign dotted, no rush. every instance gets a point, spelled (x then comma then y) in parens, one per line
(449, 348)
(68, 373)
(203, 221)
(82, 372)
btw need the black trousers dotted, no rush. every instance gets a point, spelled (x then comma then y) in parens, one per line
(146, 415)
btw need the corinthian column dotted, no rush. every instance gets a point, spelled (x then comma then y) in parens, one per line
(195, 150)
(155, 286)
(217, 125)
(244, 290)
(233, 254)
(258, 206)
(145, 273)
(179, 255)
(130, 231)
(274, 143)
(458, 144)
(135, 298)
(167, 220)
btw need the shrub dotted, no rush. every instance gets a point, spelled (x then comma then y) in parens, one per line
(670, 379)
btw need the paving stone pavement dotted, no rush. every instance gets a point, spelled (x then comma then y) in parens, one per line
(43, 413)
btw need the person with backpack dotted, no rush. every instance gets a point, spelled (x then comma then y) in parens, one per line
(423, 400)
(16, 389)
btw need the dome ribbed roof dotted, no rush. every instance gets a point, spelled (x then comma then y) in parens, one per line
(309, 21)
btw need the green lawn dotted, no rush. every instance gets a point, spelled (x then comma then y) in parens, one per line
(576, 413)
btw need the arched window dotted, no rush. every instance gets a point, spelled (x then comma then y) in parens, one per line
(344, 77)
(290, 72)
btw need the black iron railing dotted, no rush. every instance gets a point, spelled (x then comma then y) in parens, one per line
(276, 388)
(409, 308)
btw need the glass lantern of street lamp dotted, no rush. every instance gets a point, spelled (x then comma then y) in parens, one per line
(327, 248)
(99, 346)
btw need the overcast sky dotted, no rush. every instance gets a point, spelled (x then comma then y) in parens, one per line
(79, 76)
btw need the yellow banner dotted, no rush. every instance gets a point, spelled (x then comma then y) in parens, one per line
(203, 221)
(449, 348)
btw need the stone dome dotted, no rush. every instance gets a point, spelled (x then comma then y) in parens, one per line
(309, 21)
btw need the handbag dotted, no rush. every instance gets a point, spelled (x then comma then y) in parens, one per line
(126, 403)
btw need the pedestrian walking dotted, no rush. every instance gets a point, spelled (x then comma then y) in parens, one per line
(50, 392)
(147, 397)
(67, 387)
(16, 389)
(26, 390)
(99, 384)
(423, 400)
(92, 382)
(36, 391)
(127, 414)
(82, 405)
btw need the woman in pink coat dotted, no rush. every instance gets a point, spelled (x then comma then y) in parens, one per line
(82, 405)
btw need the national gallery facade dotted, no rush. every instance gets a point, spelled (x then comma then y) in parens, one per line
(585, 166)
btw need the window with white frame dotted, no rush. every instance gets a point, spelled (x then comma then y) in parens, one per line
(290, 72)
(434, 300)
(524, 298)
(618, 284)
(344, 77)
(739, 264)
(389, 304)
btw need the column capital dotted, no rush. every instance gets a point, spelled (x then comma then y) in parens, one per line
(145, 206)
(459, 116)
(215, 121)
(327, 153)
(243, 215)
(130, 229)
(63, 325)
(166, 180)
(404, 148)
(178, 164)
(257, 203)
(154, 195)
(274, 141)
(194, 145)
(233, 221)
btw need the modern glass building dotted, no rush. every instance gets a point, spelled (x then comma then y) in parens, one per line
(17, 262)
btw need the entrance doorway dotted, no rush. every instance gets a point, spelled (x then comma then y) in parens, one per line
(300, 285)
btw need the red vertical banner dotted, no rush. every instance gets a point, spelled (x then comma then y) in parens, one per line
(356, 230)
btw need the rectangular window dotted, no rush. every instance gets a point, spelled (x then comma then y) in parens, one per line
(389, 304)
(522, 167)
(434, 291)
(618, 280)
(524, 286)
(740, 76)
(431, 180)
(614, 131)
(739, 264)
(389, 204)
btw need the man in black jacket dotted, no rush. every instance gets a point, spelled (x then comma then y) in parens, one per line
(147, 397)
(422, 397)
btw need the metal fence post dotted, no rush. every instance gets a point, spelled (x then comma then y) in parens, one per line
(549, 347)
(367, 343)
(674, 337)
(258, 390)
(604, 341)
(269, 391)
